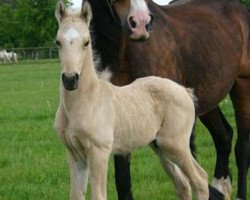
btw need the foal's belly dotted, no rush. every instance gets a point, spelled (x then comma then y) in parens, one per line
(127, 140)
(135, 129)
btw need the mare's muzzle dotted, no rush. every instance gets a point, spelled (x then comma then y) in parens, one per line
(139, 24)
(70, 82)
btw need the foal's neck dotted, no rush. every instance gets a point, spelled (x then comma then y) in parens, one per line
(88, 78)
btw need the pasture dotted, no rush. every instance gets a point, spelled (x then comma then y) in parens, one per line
(33, 163)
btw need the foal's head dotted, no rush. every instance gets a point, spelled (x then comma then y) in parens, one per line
(135, 16)
(73, 41)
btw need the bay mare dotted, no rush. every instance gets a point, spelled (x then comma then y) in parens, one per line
(96, 118)
(202, 44)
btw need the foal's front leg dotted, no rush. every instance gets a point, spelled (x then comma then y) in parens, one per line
(98, 166)
(78, 177)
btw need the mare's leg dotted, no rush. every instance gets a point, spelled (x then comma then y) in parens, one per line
(240, 96)
(181, 183)
(222, 134)
(122, 177)
(97, 160)
(78, 177)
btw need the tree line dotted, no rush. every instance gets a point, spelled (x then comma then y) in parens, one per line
(30, 23)
(27, 23)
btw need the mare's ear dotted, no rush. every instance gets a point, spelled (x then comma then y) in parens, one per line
(60, 10)
(86, 12)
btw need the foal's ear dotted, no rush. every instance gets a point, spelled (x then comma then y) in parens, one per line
(86, 12)
(60, 10)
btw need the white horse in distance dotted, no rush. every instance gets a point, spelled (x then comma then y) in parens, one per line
(8, 56)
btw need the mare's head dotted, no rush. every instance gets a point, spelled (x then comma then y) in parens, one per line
(73, 41)
(135, 17)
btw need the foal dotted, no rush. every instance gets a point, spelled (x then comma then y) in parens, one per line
(96, 118)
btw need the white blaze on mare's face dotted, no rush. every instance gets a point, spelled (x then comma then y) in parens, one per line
(162, 2)
(71, 34)
(139, 5)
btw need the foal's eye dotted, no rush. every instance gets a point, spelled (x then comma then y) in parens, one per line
(86, 43)
(57, 43)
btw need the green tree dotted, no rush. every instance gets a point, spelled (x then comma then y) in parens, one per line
(246, 2)
(27, 23)
(31, 23)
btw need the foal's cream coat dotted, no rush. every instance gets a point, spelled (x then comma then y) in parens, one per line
(98, 118)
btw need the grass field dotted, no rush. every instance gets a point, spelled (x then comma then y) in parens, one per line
(33, 162)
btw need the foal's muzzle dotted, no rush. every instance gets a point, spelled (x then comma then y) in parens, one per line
(70, 82)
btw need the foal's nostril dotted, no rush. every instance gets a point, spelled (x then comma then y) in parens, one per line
(70, 82)
(76, 77)
(132, 23)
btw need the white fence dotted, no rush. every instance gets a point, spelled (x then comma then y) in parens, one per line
(36, 53)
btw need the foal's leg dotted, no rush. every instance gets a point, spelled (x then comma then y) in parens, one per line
(181, 183)
(78, 177)
(222, 134)
(240, 96)
(98, 167)
(122, 177)
(177, 149)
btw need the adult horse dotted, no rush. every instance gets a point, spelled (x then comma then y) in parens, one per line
(199, 43)
(5, 56)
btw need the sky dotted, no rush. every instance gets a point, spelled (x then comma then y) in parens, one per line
(77, 3)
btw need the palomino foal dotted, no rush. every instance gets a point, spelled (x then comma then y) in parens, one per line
(96, 118)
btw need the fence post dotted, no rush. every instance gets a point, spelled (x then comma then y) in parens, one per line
(35, 53)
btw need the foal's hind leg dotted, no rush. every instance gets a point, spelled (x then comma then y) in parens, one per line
(181, 183)
(177, 149)
(240, 96)
(222, 134)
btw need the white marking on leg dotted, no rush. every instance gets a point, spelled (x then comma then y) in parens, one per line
(224, 186)
(71, 33)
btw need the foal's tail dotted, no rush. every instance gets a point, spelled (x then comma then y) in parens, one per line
(190, 92)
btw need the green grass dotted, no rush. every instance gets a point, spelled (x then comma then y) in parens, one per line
(33, 162)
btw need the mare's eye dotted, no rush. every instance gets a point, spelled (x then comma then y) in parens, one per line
(86, 43)
(57, 43)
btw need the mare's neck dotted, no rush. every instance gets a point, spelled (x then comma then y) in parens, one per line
(106, 33)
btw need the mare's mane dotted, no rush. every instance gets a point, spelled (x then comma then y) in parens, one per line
(105, 34)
